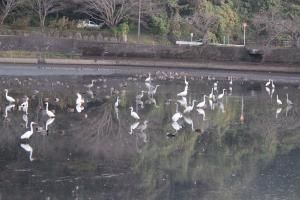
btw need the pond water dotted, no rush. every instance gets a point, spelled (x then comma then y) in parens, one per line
(241, 146)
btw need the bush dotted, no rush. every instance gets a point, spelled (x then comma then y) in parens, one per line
(21, 23)
(158, 25)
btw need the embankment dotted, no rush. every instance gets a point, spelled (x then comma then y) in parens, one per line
(287, 58)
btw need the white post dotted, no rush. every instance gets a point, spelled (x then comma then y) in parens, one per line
(244, 26)
(192, 35)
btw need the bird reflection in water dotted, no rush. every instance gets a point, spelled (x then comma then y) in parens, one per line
(29, 149)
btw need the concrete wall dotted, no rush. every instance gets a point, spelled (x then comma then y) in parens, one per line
(89, 49)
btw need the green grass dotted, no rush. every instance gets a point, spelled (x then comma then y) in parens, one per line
(33, 54)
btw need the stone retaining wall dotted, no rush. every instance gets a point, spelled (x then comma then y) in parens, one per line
(90, 49)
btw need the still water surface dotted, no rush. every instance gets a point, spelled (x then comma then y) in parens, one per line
(243, 146)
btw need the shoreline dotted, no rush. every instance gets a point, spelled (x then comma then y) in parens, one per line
(160, 63)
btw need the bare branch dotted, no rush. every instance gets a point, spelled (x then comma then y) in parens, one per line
(6, 6)
(45, 7)
(111, 12)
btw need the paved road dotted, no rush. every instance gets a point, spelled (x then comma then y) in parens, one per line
(40, 70)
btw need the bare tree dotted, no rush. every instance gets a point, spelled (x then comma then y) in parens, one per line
(274, 24)
(6, 6)
(111, 12)
(43, 8)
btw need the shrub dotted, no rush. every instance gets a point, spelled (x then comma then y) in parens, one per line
(21, 23)
(158, 25)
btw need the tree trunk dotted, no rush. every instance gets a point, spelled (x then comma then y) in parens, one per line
(42, 23)
(1, 20)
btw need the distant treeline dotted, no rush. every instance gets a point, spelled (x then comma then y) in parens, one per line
(214, 21)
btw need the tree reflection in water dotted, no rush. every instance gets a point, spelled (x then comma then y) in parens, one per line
(220, 157)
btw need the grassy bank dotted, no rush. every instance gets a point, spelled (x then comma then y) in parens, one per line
(32, 54)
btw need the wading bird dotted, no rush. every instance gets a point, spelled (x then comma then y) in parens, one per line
(288, 102)
(29, 133)
(190, 108)
(183, 93)
(221, 95)
(9, 98)
(133, 114)
(279, 102)
(202, 104)
(49, 113)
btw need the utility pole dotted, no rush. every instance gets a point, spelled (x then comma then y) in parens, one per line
(139, 22)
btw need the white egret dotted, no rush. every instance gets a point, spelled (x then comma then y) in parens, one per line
(29, 133)
(177, 115)
(89, 86)
(149, 78)
(29, 149)
(185, 81)
(9, 98)
(220, 96)
(202, 104)
(79, 99)
(182, 102)
(201, 112)
(117, 102)
(279, 102)
(183, 93)
(49, 113)
(268, 83)
(230, 82)
(288, 102)
(190, 108)
(133, 114)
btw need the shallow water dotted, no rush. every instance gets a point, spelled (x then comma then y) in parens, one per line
(245, 147)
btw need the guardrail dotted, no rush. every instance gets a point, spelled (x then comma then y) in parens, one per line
(190, 43)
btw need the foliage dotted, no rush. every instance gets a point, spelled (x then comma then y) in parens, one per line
(210, 20)
(21, 23)
(158, 25)
(123, 28)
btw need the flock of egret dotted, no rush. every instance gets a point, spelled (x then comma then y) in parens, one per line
(183, 108)
(213, 99)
